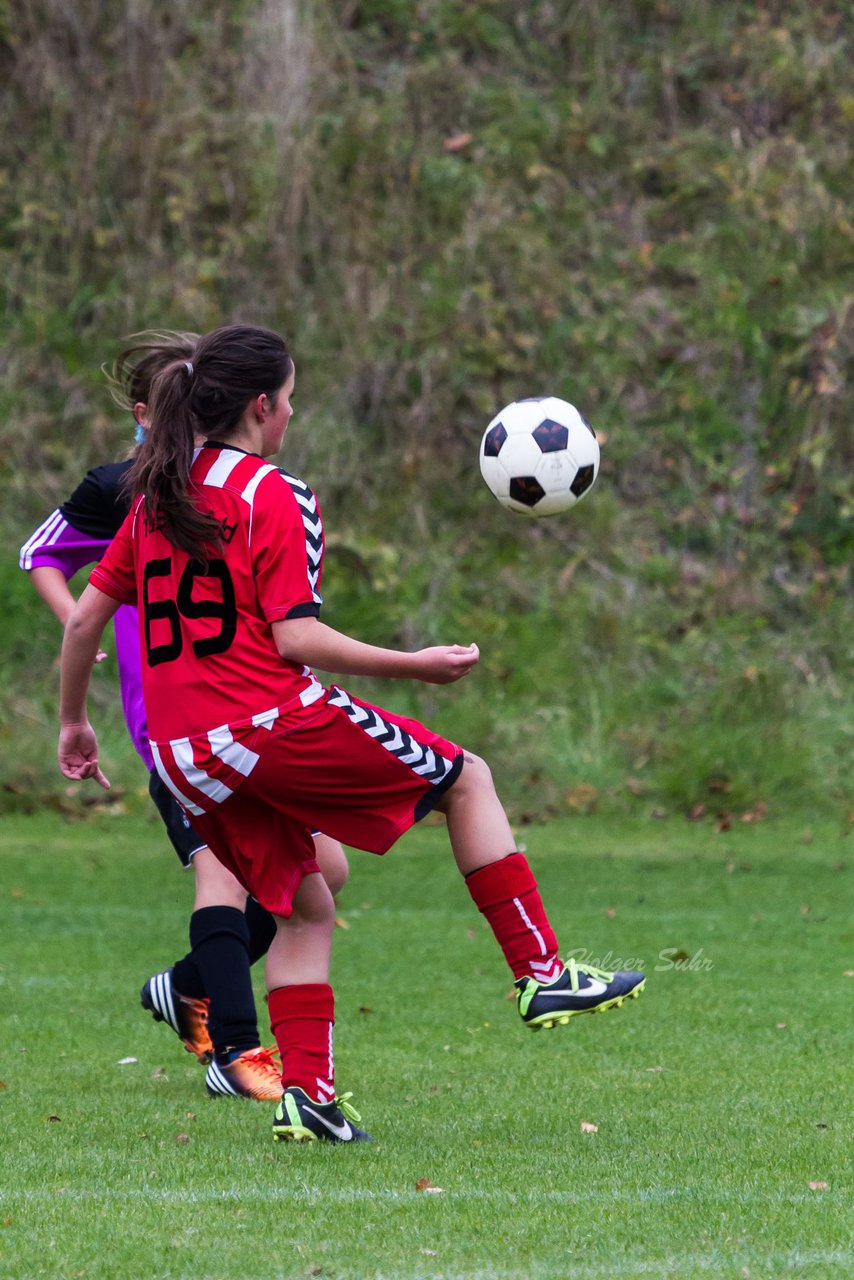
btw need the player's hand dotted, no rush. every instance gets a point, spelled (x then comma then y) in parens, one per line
(78, 753)
(445, 663)
(100, 656)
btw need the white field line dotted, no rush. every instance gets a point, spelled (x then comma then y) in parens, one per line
(355, 1195)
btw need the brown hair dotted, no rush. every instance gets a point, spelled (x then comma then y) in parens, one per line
(135, 368)
(202, 393)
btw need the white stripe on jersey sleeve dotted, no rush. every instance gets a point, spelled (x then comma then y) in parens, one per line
(46, 534)
(248, 493)
(223, 467)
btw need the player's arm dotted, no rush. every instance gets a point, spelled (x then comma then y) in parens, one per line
(309, 642)
(78, 746)
(50, 583)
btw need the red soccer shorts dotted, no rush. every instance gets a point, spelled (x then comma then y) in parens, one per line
(359, 774)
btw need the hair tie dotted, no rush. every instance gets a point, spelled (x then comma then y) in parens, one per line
(189, 368)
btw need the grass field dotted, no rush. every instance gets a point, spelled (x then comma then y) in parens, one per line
(719, 1096)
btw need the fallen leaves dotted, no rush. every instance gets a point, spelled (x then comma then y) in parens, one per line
(426, 1186)
(818, 1186)
(587, 1127)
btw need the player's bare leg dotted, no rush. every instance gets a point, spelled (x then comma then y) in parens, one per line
(215, 884)
(332, 861)
(477, 824)
(300, 951)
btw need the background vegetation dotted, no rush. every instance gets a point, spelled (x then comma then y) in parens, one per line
(643, 207)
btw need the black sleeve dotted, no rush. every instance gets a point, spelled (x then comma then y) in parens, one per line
(98, 505)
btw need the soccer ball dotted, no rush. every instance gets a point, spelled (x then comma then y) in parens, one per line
(539, 456)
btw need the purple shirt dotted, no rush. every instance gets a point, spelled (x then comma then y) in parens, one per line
(58, 544)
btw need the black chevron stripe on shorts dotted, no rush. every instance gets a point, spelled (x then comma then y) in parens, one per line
(422, 759)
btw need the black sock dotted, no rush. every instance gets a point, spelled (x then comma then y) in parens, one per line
(187, 979)
(262, 929)
(220, 952)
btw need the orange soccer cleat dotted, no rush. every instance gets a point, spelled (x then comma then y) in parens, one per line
(255, 1073)
(187, 1018)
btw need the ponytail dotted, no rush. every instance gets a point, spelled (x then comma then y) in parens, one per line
(161, 470)
(201, 390)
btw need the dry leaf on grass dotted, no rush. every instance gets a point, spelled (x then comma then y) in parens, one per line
(818, 1186)
(587, 1127)
(182, 1137)
(424, 1184)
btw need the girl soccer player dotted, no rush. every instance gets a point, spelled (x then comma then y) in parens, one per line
(223, 553)
(206, 996)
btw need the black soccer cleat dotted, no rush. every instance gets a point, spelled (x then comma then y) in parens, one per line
(577, 990)
(187, 1018)
(299, 1118)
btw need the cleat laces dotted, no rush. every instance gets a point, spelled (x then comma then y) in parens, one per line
(592, 972)
(343, 1105)
(265, 1061)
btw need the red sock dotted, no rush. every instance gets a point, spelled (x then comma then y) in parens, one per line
(506, 893)
(302, 1018)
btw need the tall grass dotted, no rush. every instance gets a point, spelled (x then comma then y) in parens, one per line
(641, 207)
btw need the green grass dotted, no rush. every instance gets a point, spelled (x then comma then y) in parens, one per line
(712, 1118)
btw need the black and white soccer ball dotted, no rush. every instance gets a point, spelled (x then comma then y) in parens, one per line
(539, 456)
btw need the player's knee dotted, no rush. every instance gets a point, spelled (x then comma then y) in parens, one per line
(313, 903)
(333, 864)
(475, 777)
(215, 884)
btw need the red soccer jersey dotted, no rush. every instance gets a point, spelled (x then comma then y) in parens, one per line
(209, 660)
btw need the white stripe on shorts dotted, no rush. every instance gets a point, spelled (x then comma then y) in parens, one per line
(179, 795)
(238, 758)
(210, 787)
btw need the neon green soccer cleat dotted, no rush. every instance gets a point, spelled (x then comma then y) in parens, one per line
(299, 1118)
(577, 990)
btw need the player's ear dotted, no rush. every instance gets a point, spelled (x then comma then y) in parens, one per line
(261, 407)
(140, 412)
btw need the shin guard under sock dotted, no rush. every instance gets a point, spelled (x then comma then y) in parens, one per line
(302, 1018)
(220, 952)
(506, 893)
(262, 929)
